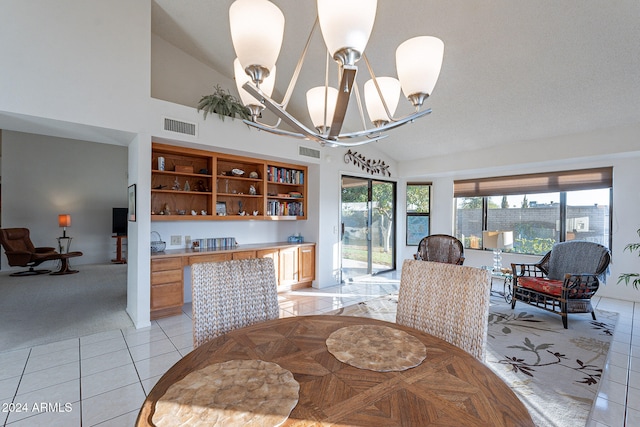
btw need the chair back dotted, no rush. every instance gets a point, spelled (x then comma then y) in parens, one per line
(441, 248)
(448, 301)
(16, 240)
(17, 246)
(229, 295)
(578, 257)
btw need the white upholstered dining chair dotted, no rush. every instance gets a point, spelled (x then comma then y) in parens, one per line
(448, 301)
(229, 295)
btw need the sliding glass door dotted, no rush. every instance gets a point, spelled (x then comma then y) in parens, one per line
(368, 227)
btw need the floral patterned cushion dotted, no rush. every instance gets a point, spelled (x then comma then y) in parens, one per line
(542, 284)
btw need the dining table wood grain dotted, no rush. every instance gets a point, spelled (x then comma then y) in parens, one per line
(449, 388)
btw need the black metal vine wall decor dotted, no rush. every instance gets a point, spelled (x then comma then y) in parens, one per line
(371, 166)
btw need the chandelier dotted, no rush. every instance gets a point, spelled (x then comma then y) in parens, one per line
(257, 29)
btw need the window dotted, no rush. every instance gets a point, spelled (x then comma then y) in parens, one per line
(468, 224)
(560, 206)
(418, 209)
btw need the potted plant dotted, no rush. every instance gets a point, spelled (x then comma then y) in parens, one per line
(634, 278)
(224, 104)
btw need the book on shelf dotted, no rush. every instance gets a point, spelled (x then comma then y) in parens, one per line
(284, 175)
(277, 208)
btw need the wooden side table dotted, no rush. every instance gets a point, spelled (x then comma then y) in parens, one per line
(119, 258)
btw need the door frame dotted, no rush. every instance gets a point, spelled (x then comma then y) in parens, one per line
(394, 230)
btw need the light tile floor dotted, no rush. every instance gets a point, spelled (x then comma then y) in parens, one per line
(102, 379)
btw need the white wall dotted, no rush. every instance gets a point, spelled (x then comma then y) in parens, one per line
(76, 61)
(45, 176)
(179, 78)
(139, 268)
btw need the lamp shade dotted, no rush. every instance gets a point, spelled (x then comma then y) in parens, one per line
(257, 28)
(390, 88)
(346, 24)
(497, 239)
(242, 77)
(418, 63)
(316, 105)
(64, 220)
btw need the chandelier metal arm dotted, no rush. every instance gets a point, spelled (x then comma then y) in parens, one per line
(307, 133)
(359, 102)
(296, 71)
(274, 130)
(279, 111)
(344, 93)
(375, 83)
(318, 138)
(391, 125)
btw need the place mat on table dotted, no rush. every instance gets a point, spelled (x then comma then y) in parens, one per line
(377, 348)
(237, 392)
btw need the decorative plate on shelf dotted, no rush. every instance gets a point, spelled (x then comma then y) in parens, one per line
(237, 172)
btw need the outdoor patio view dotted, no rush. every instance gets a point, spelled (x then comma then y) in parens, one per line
(368, 226)
(535, 219)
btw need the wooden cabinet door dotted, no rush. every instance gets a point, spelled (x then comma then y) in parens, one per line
(244, 255)
(166, 287)
(288, 266)
(273, 254)
(307, 261)
(225, 256)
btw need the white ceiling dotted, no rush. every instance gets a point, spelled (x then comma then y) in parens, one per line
(514, 70)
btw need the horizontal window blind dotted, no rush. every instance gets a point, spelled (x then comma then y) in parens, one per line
(582, 179)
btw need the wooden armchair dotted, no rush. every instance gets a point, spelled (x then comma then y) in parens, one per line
(440, 248)
(21, 252)
(564, 280)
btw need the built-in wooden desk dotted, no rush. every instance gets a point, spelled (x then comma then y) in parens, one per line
(449, 387)
(294, 262)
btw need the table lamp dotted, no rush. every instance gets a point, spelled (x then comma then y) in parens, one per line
(497, 240)
(64, 221)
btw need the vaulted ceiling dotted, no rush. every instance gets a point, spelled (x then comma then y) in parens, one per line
(513, 71)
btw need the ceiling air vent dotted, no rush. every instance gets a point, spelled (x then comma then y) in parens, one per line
(308, 152)
(179, 126)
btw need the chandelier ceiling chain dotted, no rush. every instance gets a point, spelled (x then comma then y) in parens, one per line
(345, 27)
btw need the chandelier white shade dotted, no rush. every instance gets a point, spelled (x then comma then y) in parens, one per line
(418, 63)
(316, 105)
(346, 26)
(390, 88)
(257, 28)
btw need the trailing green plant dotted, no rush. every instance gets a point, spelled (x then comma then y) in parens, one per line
(634, 278)
(223, 103)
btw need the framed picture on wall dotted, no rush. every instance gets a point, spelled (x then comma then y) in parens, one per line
(132, 202)
(221, 208)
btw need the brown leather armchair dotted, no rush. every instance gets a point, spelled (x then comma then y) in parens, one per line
(21, 252)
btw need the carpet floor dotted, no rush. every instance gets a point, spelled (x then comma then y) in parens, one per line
(554, 371)
(42, 309)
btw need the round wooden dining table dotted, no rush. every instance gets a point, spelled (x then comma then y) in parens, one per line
(449, 387)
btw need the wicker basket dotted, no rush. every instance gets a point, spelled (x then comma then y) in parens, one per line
(157, 245)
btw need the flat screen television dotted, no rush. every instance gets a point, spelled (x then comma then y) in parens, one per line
(119, 221)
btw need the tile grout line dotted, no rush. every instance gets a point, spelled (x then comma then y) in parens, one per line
(15, 394)
(629, 361)
(80, 379)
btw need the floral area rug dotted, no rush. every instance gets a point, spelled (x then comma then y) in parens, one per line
(554, 371)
